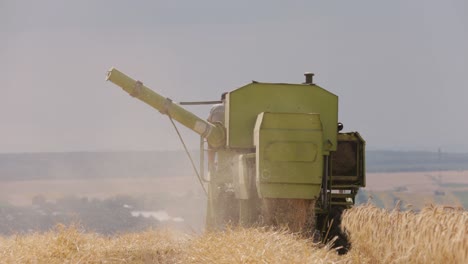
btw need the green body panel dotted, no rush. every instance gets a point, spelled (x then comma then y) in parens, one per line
(245, 103)
(289, 159)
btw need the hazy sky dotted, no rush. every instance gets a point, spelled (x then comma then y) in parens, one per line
(399, 67)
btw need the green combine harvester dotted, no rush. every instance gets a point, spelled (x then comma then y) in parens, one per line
(274, 155)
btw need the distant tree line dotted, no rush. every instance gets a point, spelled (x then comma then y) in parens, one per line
(400, 161)
(76, 165)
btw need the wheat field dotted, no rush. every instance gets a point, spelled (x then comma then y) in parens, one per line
(435, 235)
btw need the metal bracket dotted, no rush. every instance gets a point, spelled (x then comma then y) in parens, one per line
(166, 106)
(137, 89)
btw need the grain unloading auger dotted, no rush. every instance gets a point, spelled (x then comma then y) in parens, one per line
(276, 158)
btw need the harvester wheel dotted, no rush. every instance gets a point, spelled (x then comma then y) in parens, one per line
(341, 241)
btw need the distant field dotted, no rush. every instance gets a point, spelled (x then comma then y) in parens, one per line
(428, 181)
(418, 188)
(147, 164)
(22, 192)
(463, 196)
(409, 185)
(417, 178)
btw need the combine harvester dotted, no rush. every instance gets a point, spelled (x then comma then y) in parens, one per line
(274, 154)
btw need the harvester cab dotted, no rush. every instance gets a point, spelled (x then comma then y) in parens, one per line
(277, 158)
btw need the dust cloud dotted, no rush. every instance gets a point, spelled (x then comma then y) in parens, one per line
(106, 192)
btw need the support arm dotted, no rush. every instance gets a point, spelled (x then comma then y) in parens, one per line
(214, 133)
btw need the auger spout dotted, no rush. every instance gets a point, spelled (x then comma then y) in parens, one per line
(214, 133)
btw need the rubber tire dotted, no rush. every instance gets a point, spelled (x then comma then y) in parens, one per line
(336, 231)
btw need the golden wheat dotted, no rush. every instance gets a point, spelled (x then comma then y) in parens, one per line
(437, 234)
(237, 245)
(257, 245)
(68, 245)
